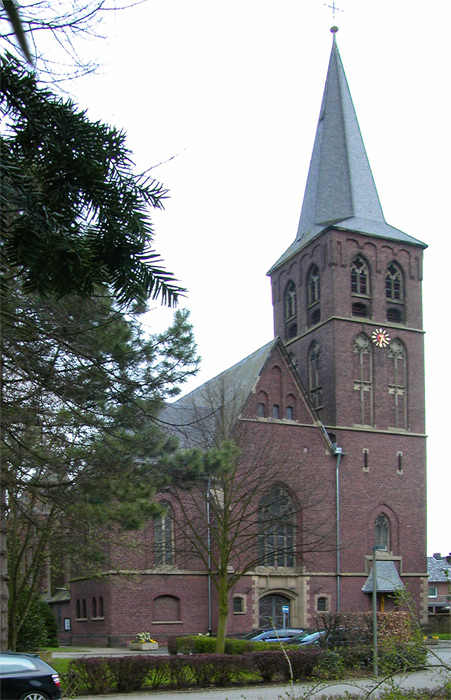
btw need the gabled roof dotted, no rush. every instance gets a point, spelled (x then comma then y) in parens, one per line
(194, 416)
(388, 579)
(209, 413)
(340, 189)
(439, 570)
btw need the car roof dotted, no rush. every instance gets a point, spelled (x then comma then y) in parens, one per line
(13, 662)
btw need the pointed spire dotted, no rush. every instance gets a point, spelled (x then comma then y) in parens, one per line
(340, 189)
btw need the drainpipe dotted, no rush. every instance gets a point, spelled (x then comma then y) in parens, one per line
(209, 560)
(338, 451)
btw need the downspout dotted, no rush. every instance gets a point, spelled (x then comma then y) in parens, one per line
(209, 560)
(338, 451)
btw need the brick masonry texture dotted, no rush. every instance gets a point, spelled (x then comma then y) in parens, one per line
(382, 469)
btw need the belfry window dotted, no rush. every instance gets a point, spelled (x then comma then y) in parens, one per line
(393, 283)
(360, 287)
(313, 286)
(359, 277)
(394, 293)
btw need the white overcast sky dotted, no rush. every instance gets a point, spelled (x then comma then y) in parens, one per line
(228, 93)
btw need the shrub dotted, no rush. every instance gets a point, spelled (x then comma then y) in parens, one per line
(173, 645)
(158, 671)
(268, 663)
(330, 666)
(33, 632)
(93, 674)
(303, 662)
(401, 656)
(228, 668)
(204, 644)
(128, 672)
(202, 669)
(180, 675)
(357, 657)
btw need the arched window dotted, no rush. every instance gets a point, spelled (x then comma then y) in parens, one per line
(382, 531)
(83, 608)
(321, 604)
(393, 283)
(276, 526)
(359, 277)
(363, 380)
(397, 384)
(94, 607)
(262, 403)
(315, 386)
(313, 296)
(78, 612)
(166, 608)
(239, 604)
(290, 407)
(394, 293)
(101, 611)
(164, 537)
(313, 286)
(360, 287)
(290, 301)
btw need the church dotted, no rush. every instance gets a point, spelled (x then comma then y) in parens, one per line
(331, 424)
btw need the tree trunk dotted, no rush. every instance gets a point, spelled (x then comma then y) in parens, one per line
(223, 596)
(3, 575)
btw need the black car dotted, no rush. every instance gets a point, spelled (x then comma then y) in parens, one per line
(27, 677)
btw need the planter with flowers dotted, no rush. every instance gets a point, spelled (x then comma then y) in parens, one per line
(143, 642)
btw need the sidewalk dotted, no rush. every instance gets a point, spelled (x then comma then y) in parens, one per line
(78, 652)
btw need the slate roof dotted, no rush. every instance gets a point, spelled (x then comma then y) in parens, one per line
(388, 579)
(340, 189)
(194, 417)
(437, 569)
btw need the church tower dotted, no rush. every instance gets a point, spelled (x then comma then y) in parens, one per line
(347, 305)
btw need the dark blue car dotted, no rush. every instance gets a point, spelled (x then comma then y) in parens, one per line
(27, 677)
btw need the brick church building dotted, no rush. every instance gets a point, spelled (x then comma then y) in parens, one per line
(332, 414)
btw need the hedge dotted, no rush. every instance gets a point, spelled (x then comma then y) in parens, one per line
(100, 675)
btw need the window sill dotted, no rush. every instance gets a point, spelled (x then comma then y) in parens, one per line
(167, 622)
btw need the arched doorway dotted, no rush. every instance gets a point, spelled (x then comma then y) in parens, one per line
(272, 611)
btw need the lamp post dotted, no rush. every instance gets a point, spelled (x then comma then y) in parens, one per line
(376, 548)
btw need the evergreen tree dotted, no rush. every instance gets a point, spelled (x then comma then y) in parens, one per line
(80, 383)
(81, 448)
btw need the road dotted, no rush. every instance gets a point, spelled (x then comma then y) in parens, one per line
(433, 677)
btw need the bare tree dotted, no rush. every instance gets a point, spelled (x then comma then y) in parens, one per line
(257, 503)
(50, 33)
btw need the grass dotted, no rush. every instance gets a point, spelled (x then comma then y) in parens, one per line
(60, 665)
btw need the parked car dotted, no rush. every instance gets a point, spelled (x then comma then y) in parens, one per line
(314, 638)
(272, 635)
(299, 637)
(27, 677)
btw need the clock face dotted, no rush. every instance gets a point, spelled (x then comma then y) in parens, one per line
(381, 338)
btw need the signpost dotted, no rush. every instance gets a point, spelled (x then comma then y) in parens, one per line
(285, 612)
(376, 548)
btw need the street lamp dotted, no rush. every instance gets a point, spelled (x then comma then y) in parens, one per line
(376, 548)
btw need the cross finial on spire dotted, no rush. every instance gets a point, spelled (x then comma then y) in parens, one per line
(334, 8)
